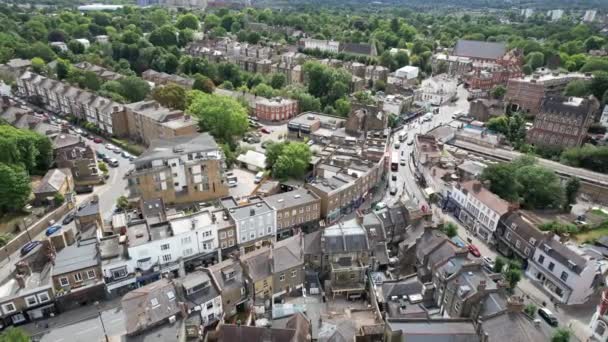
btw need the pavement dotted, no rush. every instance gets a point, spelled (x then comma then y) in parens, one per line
(245, 184)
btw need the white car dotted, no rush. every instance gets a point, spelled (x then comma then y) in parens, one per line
(402, 162)
(110, 147)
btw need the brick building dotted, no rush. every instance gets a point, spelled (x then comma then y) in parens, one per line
(563, 121)
(276, 109)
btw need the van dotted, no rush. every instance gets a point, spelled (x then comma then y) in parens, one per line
(258, 177)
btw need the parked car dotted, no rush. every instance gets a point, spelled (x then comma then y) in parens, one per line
(397, 146)
(394, 177)
(474, 250)
(100, 155)
(393, 190)
(117, 150)
(548, 316)
(258, 177)
(69, 218)
(232, 183)
(110, 147)
(265, 130)
(380, 206)
(488, 263)
(97, 140)
(410, 142)
(83, 189)
(113, 162)
(52, 229)
(126, 154)
(28, 247)
(402, 162)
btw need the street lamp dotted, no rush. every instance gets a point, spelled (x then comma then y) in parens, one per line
(105, 334)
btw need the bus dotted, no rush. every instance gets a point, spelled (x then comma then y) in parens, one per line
(402, 136)
(395, 161)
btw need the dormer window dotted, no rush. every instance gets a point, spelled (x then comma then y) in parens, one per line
(547, 248)
(571, 264)
(532, 241)
(514, 226)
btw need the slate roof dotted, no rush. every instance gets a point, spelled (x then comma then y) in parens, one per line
(513, 327)
(487, 197)
(289, 199)
(312, 243)
(163, 149)
(560, 104)
(523, 227)
(562, 254)
(149, 305)
(65, 140)
(53, 181)
(91, 209)
(345, 238)
(78, 256)
(257, 264)
(242, 333)
(228, 265)
(288, 253)
(434, 330)
(356, 48)
(402, 287)
(479, 49)
(204, 295)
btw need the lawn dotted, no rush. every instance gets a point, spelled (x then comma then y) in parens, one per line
(592, 234)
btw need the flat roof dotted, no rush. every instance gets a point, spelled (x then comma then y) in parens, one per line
(251, 209)
(290, 199)
(80, 255)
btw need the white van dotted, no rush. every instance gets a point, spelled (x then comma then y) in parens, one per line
(258, 177)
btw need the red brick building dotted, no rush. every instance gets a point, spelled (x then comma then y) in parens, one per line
(488, 74)
(277, 109)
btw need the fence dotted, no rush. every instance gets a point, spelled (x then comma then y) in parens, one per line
(32, 231)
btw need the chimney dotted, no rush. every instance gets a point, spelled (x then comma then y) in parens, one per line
(251, 212)
(515, 304)
(20, 278)
(482, 286)
(359, 217)
(477, 187)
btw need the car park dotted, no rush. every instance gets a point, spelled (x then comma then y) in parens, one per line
(52, 229)
(548, 316)
(28, 247)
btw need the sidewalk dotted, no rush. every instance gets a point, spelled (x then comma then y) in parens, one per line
(70, 317)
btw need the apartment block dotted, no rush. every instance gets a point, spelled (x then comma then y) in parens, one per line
(526, 94)
(73, 153)
(563, 121)
(162, 78)
(276, 109)
(255, 221)
(183, 169)
(149, 120)
(297, 210)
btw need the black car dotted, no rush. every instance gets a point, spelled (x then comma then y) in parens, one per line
(83, 189)
(548, 316)
(68, 218)
(28, 247)
(394, 176)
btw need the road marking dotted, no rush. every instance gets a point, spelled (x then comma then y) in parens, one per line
(116, 320)
(86, 331)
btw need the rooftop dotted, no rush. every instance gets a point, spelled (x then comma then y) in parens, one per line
(149, 305)
(485, 196)
(243, 212)
(152, 110)
(479, 49)
(173, 147)
(345, 237)
(436, 330)
(190, 222)
(291, 199)
(81, 255)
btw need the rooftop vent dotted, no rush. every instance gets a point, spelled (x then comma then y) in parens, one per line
(178, 148)
(297, 196)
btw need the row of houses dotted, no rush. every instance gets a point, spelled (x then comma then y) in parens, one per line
(141, 122)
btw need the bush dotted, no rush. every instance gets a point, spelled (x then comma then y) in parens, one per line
(559, 228)
(59, 199)
(530, 310)
(131, 148)
(450, 229)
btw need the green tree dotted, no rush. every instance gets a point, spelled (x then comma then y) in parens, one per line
(62, 68)
(76, 47)
(578, 88)
(499, 91)
(38, 65)
(277, 80)
(221, 116)
(211, 21)
(388, 60)
(263, 90)
(561, 335)
(170, 95)
(103, 167)
(293, 162)
(540, 188)
(502, 181)
(342, 107)
(273, 151)
(203, 83)
(14, 187)
(187, 21)
(530, 310)
(122, 203)
(450, 229)
(402, 58)
(599, 84)
(134, 88)
(535, 60)
(164, 36)
(571, 191)
(14, 334)
(512, 274)
(499, 265)
(58, 199)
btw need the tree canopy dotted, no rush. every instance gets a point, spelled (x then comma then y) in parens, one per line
(221, 116)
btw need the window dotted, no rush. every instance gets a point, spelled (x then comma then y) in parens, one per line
(63, 281)
(31, 301)
(564, 276)
(164, 247)
(457, 306)
(186, 240)
(551, 266)
(209, 305)
(224, 245)
(252, 235)
(91, 274)
(517, 244)
(188, 251)
(154, 303)
(78, 277)
(222, 235)
(231, 243)
(170, 295)
(167, 257)
(119, 273)
(294, 273)
(532, 241)
(43, 297)
(508, 236)
(269, 229)
(207, 233)
(282, 277)
(279, 215)
(230, 233)
(541, 258)
(9, 307)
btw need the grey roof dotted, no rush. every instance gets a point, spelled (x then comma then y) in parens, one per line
(78, 256)
(251, 209)
(438, 330)
(166, 148)
(152, 109)
(493, 303)
(149, 305)
(563, 254)
(288, 253)
(242, 333)
(479, 49)
(429, 241)
(91, 209)
(402, 287)
(513, 327)
(345, 238)
(53, 180)
(472, 167)
(65, 140)
(222, 269)
(290, 199)
(522, 227)
(258, 264)
(312, 243)
(356, 48)
(559, 104)
(203, 295)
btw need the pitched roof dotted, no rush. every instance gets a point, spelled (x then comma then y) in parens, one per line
(258, 264)
(563, 254)
(479, 49)
(65, 140)
(165, 148)
(53, 180)
(149, 305)
(356, 48)
(345, 237)
(242, 333)
(288, 253)
(513, 327)
(78, 256)
(486, 197)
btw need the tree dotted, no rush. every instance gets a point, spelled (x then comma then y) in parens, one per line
(164, 36)
(512, 274)
(122, 203)
(187, 21)
(58, 199)
(450, 229)
(571, 191)
(540, 188)
(62, 68)
(170, 95)
(277, 80)
(499, 265)
(134, 88)
(273, 151)
(76, 47)
(578, 88)
(499, 91)
(221, 116)
(103, 167)
(502, 181)
(14, 334)
(535, 60)
(263, 90)
(38, 64)
(402, 58)
(387, 60)
(342, 107)
(530, 310)
(599, 84)
(203, 83)
(293, 161)
(561, 335)
(527, 69)
(14, 187)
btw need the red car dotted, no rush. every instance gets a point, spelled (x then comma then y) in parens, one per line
(473, 250)
(98, 140)
(265, 130)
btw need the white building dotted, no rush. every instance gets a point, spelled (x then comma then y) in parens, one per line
(479, 209)
(599, 322)
(437, 90)
(589, 16)
(408, 72)
(59, 45)
(567, 276)
(203, 296)
(84, 42)
(102, 39)
(555, 14)
(527, 12)
(323, 45)
(604, 117)
(255, 221)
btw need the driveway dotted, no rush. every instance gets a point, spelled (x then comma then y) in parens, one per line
(245, 184)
